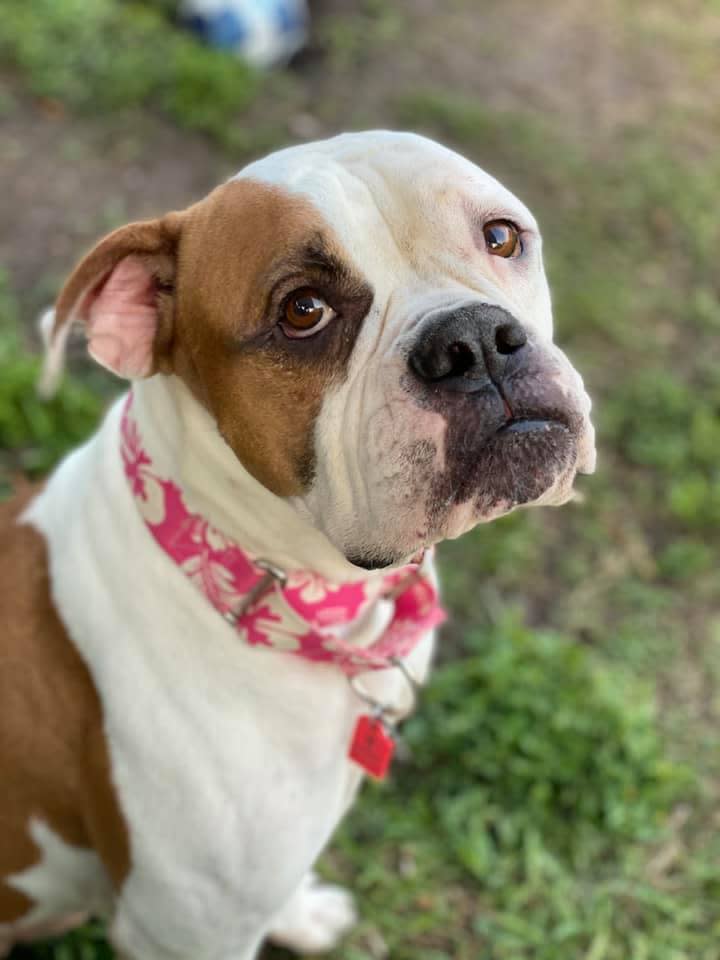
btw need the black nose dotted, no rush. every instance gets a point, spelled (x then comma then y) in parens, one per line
(461, 350)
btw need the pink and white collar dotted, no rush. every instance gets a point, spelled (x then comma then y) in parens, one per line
(299, 613)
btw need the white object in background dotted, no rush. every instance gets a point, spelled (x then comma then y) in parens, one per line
(263, 32)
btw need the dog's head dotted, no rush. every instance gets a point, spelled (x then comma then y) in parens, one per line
(368, 322)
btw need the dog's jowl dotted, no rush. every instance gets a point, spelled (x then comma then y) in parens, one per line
(338, 359)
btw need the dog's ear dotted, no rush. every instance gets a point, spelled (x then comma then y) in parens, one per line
(122, 293)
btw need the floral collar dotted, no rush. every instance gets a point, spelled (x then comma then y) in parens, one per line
(299, 612)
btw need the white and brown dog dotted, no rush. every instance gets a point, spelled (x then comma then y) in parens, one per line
(339, 358)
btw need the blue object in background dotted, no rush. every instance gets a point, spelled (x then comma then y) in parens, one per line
(263, 32)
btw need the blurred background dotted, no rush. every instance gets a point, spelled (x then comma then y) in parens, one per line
(558, 794)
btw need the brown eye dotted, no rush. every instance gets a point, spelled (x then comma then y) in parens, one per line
(502, 239)
(305, 313)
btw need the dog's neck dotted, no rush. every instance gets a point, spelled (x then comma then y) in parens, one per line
(185, 446)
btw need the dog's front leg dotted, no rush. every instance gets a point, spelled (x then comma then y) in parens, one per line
(144, 937)
(315, 918)
(318, 915)
(242, 953)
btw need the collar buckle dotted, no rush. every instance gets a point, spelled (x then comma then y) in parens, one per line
(273, 574)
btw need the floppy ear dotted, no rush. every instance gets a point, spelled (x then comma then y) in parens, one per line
(122, 293)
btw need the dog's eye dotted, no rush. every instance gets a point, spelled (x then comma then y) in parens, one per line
(305, 313)
(502, 239)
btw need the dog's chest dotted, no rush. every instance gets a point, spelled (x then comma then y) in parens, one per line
(232, 794)
(230, 762)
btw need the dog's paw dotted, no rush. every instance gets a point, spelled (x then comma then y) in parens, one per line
(316, 919)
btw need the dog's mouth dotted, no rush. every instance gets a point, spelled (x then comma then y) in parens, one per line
(516, 463)
(475, 457)
(525, 458)
(521, 425)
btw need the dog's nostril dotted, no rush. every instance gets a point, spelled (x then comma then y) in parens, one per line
(509, 337)
(462, 358)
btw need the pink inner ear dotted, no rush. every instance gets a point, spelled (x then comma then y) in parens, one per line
(122, 320)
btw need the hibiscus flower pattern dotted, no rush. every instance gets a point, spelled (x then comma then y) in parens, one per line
(135, 459)
(304, 615)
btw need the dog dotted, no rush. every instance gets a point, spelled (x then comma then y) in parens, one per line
(216, 609)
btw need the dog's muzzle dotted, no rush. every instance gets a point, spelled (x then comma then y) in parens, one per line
(483, 352)
(516, 429)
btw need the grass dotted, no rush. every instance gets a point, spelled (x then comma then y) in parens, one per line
(103, 56)
(531, 765)
(557, 795)
(34, 434)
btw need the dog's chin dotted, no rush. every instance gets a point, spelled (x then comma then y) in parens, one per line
(527, 462)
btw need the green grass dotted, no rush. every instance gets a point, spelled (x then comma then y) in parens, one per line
(103, 56)
(630, 574)
(556, 797)
(531, 766)
(34, 434)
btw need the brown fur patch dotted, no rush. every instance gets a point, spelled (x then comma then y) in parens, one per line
(53, 754)
(243, 251)
(222, 271)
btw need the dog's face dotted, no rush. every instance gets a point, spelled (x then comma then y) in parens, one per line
(367, 320)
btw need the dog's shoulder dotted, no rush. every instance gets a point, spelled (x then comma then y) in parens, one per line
(52, 746)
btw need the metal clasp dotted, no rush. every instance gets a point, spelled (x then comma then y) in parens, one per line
(272, 575)
(382, 710)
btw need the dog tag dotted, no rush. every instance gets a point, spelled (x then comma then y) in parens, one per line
(372, 746)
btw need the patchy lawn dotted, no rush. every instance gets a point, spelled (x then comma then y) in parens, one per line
(559, 794)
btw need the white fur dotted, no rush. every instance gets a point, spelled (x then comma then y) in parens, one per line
(317, 916)
(64, 882)
(230, 762)
(54, 359)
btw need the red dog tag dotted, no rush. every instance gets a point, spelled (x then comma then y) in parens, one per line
(372, 746)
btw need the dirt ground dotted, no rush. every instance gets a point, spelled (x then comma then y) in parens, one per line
(65, 179)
